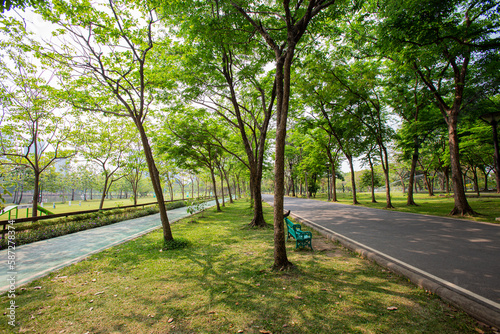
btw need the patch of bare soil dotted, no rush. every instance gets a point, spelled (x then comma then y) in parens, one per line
(322, 244)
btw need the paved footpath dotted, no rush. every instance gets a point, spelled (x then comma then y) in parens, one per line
(457, 256)
(40, 258)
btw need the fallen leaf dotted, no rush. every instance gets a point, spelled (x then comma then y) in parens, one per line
(237, 303)
(297, 297)
(98, 293)
(241, 331)
(263, 331)
(91, 309)
(91, 301)
(170, 320)
(37, 287)
(480, 331)
(392, 308)
(94, 280)
(211, 312)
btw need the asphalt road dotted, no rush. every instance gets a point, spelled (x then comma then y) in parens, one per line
(462, 255)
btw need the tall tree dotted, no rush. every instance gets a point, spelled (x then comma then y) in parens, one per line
(135, 163)
(231, 80)
(184, 141)
(440, 39)
(112, 48)
(282, 26)
(34, 128)
(107, 143)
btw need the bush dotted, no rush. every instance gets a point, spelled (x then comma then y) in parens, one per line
(46, 229)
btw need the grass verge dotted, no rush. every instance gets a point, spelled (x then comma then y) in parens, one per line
(439, 205)
(222, 283)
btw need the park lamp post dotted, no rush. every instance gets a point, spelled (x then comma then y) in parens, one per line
(493, 118)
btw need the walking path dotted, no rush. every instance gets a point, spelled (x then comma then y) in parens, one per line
(40, 258)
(457, 259)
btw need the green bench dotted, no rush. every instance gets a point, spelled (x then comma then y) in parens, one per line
(302, 238)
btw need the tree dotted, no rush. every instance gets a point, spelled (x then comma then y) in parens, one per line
(184, 141)
(34, 129)
(135, 164)
(440, 39)
(231, 82)
(113, 49)
(106, 142)
(281, 28)
(374, 178)
(6, 5)
(411, 101)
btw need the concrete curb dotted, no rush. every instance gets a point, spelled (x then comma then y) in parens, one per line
(478, 309)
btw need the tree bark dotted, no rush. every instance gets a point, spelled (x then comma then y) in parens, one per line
(214, 185)
(372, 173)
(462, 207)
(155, 180)
(283, 65)
(228, 187)
(496, 156)
(410, 201)
(353, 179)
(36, 191)
(104, 192)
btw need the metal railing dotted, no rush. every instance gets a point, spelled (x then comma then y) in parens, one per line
(74, 213)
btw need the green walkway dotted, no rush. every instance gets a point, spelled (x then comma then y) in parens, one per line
(40, 258)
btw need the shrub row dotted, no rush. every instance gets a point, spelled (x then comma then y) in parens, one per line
(41, 230)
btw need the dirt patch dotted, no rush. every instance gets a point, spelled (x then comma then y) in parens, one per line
(328, 247)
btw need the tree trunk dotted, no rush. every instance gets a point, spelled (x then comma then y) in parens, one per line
(307, 185)
(372, 172)
(36, 191)
(282, 75)
(155, 180)
(428, 183)
(446, 173)
(239, 188)
(104, 191)
(385, 166)
(353, 179)
(214, 184)
(486, 175)
(222, 188)
(476, 181)
(462, 207)
(228, 187)
(410, 201)
(496, 154)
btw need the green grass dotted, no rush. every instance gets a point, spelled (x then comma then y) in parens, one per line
(439, 205)
(222, 283)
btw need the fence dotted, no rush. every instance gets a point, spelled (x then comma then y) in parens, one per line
(67, 214)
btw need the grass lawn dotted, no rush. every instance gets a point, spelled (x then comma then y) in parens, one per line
(85, 205)
(487, 207)
(222, 283)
